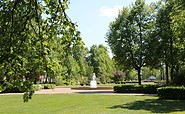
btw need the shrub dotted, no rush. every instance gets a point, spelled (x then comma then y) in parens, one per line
(171, 92)
(8, 87)
(35, 87)
(179, 78)
(82, 80)
(1, 89)
(49, 86)
(131, 81)
(118, 76)
(59, 81)
(148, 89)
(12, 90)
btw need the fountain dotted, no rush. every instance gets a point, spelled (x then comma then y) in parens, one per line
(93, 83)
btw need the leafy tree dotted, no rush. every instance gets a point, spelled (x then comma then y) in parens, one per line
(165, 37)
(178, 28)
(29, 30)
(100, 60)
(147, 72)
(79, 54)
(128, 34)
(76, 65)
(119, 76)
(169, 41)
(131, 74)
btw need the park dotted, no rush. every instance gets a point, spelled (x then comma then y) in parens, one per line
(67, 101)
(46, 66)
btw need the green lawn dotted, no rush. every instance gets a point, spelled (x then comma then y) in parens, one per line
(89, 104)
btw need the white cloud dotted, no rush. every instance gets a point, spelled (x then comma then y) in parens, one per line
(110, 12)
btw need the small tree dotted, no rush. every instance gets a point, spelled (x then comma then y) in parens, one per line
(179, 77)
(119, 76)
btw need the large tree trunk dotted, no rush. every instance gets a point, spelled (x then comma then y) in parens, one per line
(172, 72)
(139, 74)
(167, 76)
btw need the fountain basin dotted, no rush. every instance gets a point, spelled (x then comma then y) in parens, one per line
(92, 88)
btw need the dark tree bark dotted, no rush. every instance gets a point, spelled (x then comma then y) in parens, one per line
(139, 74)
(167, 76)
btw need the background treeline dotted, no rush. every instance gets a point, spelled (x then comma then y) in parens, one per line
(81, 63)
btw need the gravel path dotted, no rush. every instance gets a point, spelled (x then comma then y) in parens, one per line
(73, 91)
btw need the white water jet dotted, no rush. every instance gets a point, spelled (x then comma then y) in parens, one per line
(93, 83)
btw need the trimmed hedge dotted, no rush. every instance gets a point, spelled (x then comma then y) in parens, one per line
(172, 93)
(148, 89)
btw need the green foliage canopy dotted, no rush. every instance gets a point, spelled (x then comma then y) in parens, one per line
(128, 34)
(101, 62)
(30, 31)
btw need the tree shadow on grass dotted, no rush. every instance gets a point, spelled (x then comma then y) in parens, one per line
(154, 105)
(96, 92)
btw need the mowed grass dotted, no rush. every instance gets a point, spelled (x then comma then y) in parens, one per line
(89, 104)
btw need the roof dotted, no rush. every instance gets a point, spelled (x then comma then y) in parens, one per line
(152, 78)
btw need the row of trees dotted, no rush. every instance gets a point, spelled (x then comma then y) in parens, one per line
(82, 62)
(149, 36)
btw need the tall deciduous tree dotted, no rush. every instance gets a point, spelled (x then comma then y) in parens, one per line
(165, 36)
(168, 37)
(127, 36)
(178, 28)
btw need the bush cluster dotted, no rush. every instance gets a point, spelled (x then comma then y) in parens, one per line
(148, 89)
(170, 92)
(1, 89)
(131, 81)
(49, 86)
(179, 78)
(34, 87)
(12, 90)
(6, 87)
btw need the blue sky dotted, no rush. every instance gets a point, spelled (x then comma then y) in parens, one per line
(93, 17)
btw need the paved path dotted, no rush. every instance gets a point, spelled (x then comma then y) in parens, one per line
(73, 91)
